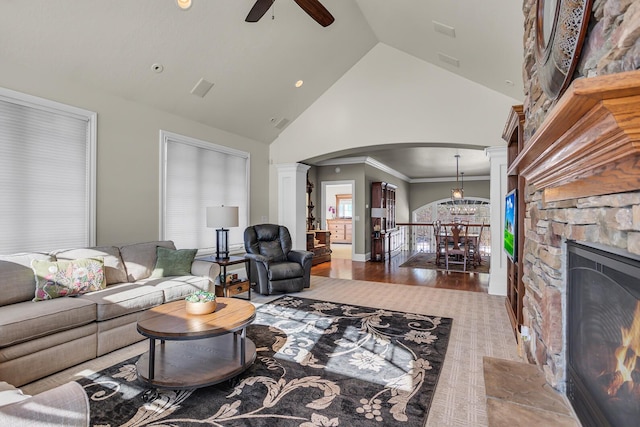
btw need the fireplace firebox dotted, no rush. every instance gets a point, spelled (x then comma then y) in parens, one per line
(603, 335)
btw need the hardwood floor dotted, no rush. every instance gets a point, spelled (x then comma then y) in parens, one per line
(391, 272)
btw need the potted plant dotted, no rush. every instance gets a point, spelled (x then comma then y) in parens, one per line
(200, 302)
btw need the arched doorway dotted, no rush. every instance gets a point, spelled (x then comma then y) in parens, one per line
(476, 210)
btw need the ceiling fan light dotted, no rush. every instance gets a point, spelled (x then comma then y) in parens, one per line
(184, 4)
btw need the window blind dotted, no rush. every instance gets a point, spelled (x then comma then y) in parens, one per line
(197, 174)
(46, 174)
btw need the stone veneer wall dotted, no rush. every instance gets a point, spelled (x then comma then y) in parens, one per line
(612, 46)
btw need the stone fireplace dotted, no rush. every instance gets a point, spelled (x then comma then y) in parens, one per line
(603, 335)
(581, 162)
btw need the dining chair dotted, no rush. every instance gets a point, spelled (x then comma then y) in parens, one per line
(439, 241)
(474, 248)
(457, 247)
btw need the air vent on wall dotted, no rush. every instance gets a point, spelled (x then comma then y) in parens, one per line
(444, 29)
(449, 59)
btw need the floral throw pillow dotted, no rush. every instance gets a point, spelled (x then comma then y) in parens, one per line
(56, 279)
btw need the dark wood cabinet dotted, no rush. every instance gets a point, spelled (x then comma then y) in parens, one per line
(383, 219)
(319, 242)
(513, 134)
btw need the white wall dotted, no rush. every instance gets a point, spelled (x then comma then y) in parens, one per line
(128, 154)
(392, 97)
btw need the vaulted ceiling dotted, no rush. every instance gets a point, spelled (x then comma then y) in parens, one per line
(152, 52)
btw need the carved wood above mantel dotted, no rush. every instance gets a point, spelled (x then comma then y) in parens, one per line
(589, 143)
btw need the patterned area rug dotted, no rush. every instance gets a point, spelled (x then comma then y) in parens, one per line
(318, 364)
(428, 260)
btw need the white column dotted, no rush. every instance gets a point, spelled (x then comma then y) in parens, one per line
(498, 189)
(292, 201)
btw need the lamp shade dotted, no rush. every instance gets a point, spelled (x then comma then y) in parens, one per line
(222, 216)
(378, 213)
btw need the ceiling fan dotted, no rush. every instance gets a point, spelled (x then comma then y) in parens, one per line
(313, 8)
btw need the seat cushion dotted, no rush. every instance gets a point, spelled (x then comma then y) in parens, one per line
(285, 270)
(140, 258)
(178, 287)
(113, 264)
(124, 298)
(17, 281)
(26, 321)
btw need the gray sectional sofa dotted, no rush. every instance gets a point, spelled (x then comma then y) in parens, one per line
(44, 337)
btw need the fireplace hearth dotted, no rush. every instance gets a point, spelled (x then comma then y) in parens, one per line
(603, 335)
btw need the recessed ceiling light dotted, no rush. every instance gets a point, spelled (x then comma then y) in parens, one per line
(299, 83)
(184, 4)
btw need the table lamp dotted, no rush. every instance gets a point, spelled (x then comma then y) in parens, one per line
(378, 213)
(222, 216)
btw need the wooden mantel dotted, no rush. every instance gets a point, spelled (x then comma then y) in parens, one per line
(589, 143)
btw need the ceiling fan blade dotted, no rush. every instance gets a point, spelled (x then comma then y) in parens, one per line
(317, 11)
(258, 10)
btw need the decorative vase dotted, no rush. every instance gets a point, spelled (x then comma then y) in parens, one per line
(200, 307)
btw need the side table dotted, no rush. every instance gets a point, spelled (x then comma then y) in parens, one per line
(225, 289)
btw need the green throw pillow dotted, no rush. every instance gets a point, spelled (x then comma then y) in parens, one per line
(172, 262)
(66, 278)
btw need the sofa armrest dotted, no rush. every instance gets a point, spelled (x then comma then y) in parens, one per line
(205, 269)
(65, 405)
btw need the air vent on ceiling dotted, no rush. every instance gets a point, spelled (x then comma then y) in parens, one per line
(281, 123)
(449, 59)
(444, 29)
(201, 88)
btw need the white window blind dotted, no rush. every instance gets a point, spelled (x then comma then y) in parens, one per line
(197, 174)
(47, 174)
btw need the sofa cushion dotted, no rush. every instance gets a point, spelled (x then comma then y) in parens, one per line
(140, 258)
(113, 266)
(17, 282)
(56, 279)
(26, 321)
(178, 287)
(173, 262)
(124, 298)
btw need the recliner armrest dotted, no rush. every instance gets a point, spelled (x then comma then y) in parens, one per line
(299, 256)
(258, 258)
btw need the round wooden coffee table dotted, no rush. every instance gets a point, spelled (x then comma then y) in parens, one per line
(196, 350)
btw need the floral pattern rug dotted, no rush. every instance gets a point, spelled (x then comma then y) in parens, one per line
(318, 364)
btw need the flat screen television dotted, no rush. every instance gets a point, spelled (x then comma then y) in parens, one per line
(511, 223)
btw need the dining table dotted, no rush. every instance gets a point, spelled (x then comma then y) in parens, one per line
(455, 238)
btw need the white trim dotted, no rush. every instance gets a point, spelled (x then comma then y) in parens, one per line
(165, 138)
(451, 179)
(323, 218)
(91, 117)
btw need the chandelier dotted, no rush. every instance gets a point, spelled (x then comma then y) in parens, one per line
(458, 205)
(458, 192)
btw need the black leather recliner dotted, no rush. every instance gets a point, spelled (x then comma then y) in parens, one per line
(275, 268)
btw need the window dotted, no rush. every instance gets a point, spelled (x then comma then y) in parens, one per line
(344, 204)
(47, 174)
(196, 174)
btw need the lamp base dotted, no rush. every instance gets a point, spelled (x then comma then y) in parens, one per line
(222, 244)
